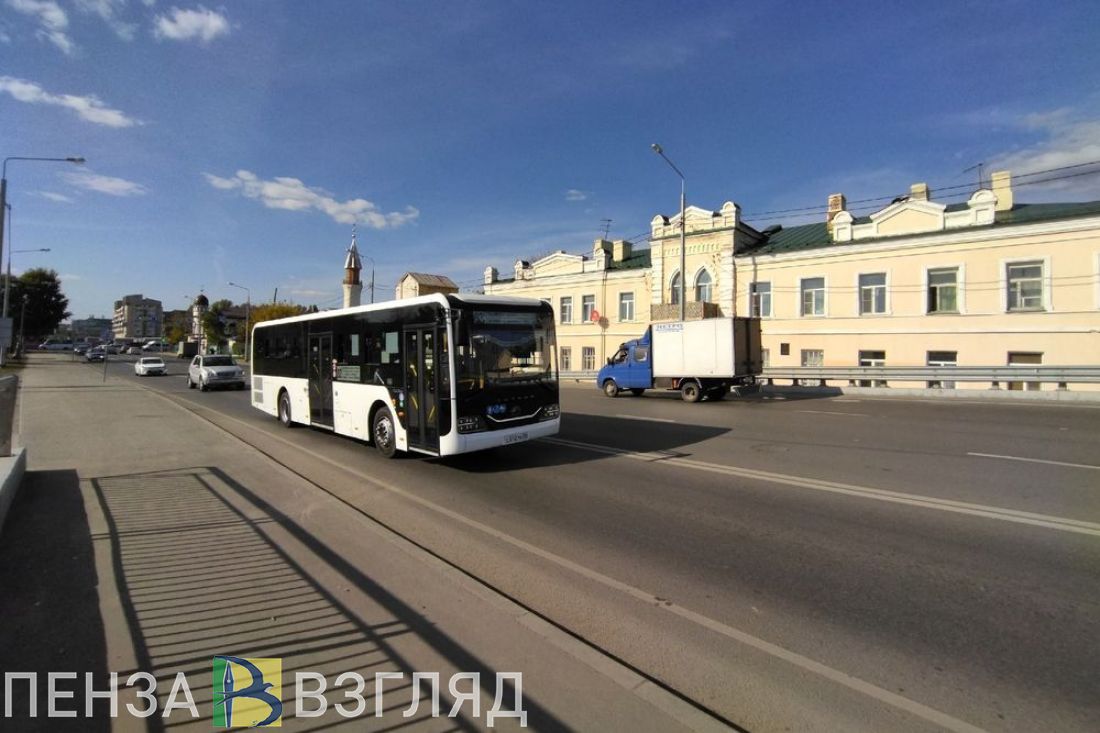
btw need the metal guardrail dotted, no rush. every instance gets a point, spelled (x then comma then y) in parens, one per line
(9, 388)
(1062, 375)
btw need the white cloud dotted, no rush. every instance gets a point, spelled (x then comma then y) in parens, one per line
(291, 194)
(109, 10)
(185, 25)
(1067, 142)
(58, 197)
(105, 184)
(52, 21)
(88, 107)
(575, 195)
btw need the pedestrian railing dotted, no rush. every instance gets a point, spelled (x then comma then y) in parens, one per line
(1063, 376)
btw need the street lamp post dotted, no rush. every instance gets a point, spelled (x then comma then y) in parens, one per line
(4, 205)
(683, 229)
(247, 319)
(7, 281)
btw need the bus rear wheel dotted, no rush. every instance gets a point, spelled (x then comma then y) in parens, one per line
(284, 410)
(383, 434)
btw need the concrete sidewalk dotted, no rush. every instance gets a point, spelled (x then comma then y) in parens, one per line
(146, 539)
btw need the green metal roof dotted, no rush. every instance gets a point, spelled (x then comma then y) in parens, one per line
(635, 261)
(813, 236)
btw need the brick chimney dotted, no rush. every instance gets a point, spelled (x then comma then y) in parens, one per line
(919, 192)
(837, 204)
(621, 250)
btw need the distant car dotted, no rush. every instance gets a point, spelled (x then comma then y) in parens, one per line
(134, 350)
(81, 349)
(214, 371)
(56, 346)
(111, 348)
(96, 354)
(149, 365)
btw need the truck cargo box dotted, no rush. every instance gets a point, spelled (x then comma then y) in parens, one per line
(712, 347)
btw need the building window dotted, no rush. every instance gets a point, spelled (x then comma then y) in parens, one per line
(1025, 286)
(760, 295)
(1025, 358)
(702, 287)
(943, 287)
(626, 306)
(872, 359)
(813, 357)
(566, 310)
(813, 296)
(872, 294)
(588, 358)
(942, 359)
(765, 358)
(674, 294)
(588, 307)
(566, 358)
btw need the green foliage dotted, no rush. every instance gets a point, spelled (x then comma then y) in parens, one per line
(46, 305)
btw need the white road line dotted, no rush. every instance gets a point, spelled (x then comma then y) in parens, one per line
(829, 412)
(639, 417)
(864, 492)
(834, 675)
(1036, 460)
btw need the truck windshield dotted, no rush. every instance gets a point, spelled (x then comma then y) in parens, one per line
(504, 346)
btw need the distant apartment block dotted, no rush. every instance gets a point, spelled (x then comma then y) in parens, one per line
(138, 317)
(96, 328)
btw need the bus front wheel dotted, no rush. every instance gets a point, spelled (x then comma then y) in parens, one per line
(383, 433)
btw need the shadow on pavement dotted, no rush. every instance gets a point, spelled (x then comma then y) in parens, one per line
(643, 436)
(49, 602)
(199, 577)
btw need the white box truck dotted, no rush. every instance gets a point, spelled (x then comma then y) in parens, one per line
(701, 359)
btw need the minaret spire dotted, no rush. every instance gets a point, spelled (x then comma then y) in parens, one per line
(353, 288)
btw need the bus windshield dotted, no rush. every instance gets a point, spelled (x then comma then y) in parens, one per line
(504, 346)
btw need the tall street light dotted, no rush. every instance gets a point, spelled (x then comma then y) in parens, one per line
(4, 203)
(247, 319)
(683, 229)
(7, 282)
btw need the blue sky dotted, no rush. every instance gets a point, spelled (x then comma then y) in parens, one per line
(240, 141)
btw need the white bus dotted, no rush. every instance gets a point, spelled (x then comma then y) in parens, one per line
(437, 374)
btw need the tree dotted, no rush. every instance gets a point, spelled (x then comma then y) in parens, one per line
(270, 311)
(46, 305)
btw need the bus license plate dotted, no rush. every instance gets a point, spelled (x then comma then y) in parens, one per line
(516, 438)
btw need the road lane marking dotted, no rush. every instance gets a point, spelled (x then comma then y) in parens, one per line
(640, 417)
(830, 412)
(865, 492)
(811, 665)
(1036, 460)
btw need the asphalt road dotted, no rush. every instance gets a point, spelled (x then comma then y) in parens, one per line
(821, 564)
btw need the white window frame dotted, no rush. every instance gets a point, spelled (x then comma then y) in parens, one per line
(885, 295)
(960, 289)
(710, 286)
(824, 297)
(585, 352)
(622, 302)
(1046, 280)
(586, 310)
(565, 357)
(562, 309)
(802, 357)
(752, 296)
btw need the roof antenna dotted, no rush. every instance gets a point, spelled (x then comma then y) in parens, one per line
(979, 168)
(606, 227)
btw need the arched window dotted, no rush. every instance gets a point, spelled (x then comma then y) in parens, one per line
(702, 287)
(675, 295)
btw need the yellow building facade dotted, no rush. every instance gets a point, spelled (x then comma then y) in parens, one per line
(986, 282)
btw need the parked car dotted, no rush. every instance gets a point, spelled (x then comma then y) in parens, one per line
(149, 365)
(134, 351)
(56, 346)
(111, 349)
(96, 354)
(214, 370)
(81, 349)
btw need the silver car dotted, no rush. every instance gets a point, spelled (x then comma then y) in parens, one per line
(215, 370)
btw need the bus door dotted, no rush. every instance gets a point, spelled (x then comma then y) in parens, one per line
(422, 388)
(320, 379)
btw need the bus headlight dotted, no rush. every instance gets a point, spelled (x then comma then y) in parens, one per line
(550, 412)
(470, 424)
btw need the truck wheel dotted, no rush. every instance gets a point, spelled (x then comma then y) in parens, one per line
(610, 388)
(689, 392)
(383, 433)
(637, 391)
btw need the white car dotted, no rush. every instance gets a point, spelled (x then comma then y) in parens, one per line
(215, 370)
(150, 365)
